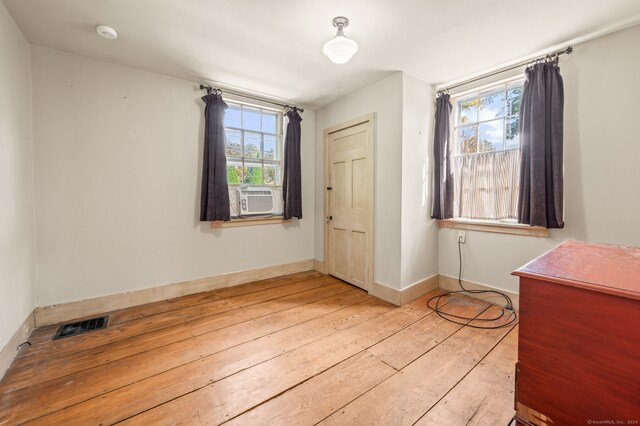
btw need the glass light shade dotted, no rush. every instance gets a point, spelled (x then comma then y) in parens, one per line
(340, 49)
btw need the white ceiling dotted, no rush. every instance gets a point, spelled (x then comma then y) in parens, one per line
(275, 47)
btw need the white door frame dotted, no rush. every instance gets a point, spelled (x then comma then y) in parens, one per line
(370, 120)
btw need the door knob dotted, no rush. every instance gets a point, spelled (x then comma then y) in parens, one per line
(329, 217)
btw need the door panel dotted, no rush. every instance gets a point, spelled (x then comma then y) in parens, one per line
(350, 204)
(359, 258)
(359, 183)
(339, 192)
(339, 253)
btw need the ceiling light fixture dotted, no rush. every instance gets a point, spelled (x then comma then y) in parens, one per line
(107, 32)
(340, 49)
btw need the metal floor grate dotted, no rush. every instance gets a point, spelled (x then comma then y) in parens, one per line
(81, 327)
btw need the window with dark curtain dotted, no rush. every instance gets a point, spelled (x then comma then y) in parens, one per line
(214, 195)
(541, 170)
(442, 203)
(292, 181)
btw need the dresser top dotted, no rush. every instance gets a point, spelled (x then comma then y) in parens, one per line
(600, 267)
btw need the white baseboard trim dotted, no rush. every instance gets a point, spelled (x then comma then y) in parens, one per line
(388, 294)
(406, 295)
(419, 289)
(10, 350)
(73, 310)
(450, 283)
(319, 266)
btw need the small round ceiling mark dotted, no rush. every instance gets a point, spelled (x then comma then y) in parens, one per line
(105, 31)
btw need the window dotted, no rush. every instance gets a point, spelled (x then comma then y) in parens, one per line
(253, 145)
(488, 121)
(486, 152)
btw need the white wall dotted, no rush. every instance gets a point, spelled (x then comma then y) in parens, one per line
(17, 240)
(419, 259)
(602, 175)
(385, 100)
(118, 157)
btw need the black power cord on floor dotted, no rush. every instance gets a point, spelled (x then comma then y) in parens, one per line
(513, 317)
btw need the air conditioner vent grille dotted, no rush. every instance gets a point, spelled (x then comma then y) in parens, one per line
(259, 203)
(256, 201)
(256, 192)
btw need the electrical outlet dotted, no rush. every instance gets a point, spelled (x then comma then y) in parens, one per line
(462, 236)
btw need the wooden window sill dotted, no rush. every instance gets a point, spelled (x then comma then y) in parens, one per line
(498, 227)
(234, 223)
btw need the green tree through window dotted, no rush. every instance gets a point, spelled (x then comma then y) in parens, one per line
(233, 178)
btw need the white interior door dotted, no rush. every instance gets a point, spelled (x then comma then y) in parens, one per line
(349, 209)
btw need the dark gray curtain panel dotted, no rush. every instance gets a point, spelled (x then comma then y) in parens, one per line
(214, 198)
(442, 205)
(541, 132)
(292, 180)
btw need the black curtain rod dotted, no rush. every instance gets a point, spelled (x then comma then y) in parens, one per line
(567, 50)
(210, 89)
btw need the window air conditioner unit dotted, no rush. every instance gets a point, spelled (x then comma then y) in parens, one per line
(256, 200)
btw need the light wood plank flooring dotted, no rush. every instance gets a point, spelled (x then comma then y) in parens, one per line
(301, 349)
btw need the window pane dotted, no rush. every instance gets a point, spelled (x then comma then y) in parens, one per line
(253, 138)
(253, 174)
(232, 117)
(234, 173)
(251, 118)
(513, 133)
(270, 146)
(514, 99)
(233, 143)
(269, 122)
(468, 110)
(466, 140)
(491, 105)
(491, 135)
(251, 145)
(271, 174)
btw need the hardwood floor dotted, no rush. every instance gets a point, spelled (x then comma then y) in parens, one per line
(300, 349)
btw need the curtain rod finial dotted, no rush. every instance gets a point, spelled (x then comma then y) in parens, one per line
(293, 108)
(208, 88)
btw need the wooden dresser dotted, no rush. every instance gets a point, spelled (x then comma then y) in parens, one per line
(579, 337)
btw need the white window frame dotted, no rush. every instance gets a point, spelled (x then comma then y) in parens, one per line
(478, 91)
(279, 145)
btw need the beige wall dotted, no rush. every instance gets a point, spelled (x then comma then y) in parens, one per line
(17, 241)
(118, 160)
(602, 176)
(385, 100)
(419, 256)
(406, 238)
